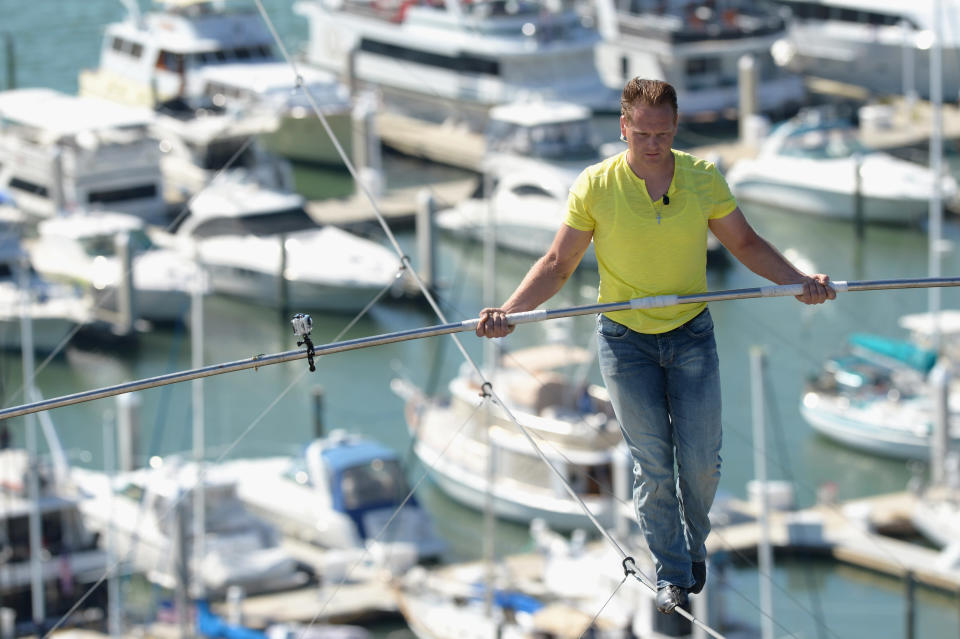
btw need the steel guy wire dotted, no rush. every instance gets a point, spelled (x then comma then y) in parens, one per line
(605, 603)
(360, 183)
(429, 297)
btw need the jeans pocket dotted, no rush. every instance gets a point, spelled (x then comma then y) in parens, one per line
(700, 326)
(608, 328)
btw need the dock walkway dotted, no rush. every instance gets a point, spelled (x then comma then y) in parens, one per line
(848, 533)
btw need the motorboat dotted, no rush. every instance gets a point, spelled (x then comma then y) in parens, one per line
(271, 90)
(573, 423)
(814, 163)
(342, 491)
(142, 509)
(70, 563)
(534, 152)
(55, 310)
(261, 245)
(194, 50)
(84, 249)
(66, 154)
(456, 59)
(883, 46)
(697, 48)
(879, 398)
(201, 143)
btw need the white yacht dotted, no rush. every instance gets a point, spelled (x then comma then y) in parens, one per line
(61, 153)
(696, 47)
(200, 143)
(170, 54)
(261, 245)
(83, 249)
(268, 89)
(70, 561)
(868, 43)
(141, 507)
(463, 56)
(573, 424)
(534, 152)
(342, 492)
(814, 163)
(55, 310)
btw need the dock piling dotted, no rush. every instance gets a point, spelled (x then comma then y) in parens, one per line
(426, 237)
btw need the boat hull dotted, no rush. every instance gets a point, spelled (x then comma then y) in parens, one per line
(305, 139)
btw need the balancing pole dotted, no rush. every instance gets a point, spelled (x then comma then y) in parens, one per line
(311, 351)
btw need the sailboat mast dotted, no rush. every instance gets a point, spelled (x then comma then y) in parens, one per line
(936, 166)
(37, 601)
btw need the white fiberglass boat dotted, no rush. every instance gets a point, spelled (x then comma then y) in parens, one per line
(55, 310)
(71, 565)
(342, 492)
(64, 154)
(697, 47)
(261, 245)
(141, 507)
(462, 56)
(810, 164)
(83, 249)
(881, 45)
(193, 50)
(573, 425)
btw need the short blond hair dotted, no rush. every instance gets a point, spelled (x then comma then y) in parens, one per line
(647, 92)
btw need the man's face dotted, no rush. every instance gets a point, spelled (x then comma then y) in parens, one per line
(649, 131)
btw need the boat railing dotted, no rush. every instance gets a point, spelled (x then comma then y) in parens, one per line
(678, 29)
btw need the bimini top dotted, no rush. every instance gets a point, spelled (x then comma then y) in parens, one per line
(53, 115)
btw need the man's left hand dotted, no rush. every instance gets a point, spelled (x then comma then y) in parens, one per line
(817, 289)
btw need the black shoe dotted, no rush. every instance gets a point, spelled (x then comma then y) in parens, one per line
(699, 569)
(669, 597)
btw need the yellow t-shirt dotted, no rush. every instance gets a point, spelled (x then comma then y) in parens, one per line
(649, 248)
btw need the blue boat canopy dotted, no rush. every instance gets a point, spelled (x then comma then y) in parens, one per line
(922, 359)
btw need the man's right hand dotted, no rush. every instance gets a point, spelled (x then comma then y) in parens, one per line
(493, 323)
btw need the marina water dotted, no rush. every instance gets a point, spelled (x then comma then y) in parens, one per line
(270, 410)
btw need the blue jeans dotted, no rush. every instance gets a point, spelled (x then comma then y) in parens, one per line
(665, 390)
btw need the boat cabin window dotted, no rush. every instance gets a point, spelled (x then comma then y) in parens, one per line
(530, 189)
(55, 531)
(96, 245)
(133, 49)
(267, 223)
(26, 186)
(552, 141)
(819, 11)
(462, 63)
(591, 480)
(219, 154)
(823, 144)
(170, 61)
(377, 482)
(144, 191)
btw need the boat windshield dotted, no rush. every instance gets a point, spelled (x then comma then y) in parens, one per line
(381, 481)
(827, 144)
(548, 141)
(97, 245)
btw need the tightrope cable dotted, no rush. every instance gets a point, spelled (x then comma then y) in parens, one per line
(659, 301)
